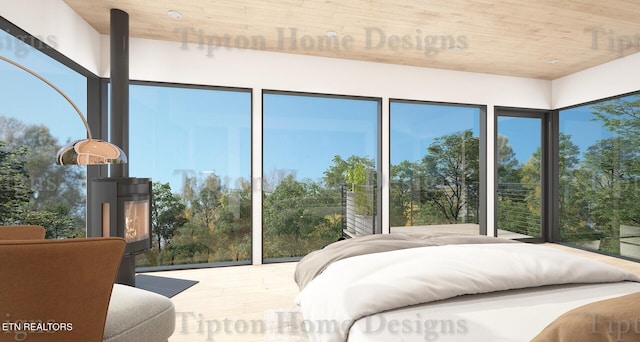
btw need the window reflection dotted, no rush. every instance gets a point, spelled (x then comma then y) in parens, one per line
(195, 145)
(320, 171)
(35, 121)
(599, 196)
(435, 167)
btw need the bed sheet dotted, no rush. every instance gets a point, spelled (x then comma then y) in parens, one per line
(506, 316)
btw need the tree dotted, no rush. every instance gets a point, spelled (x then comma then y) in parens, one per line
(219, 221)
(522, 213)
(613, 197)
(15, 193)
(406, 180)
(57, 197)
(53, 183)
(200, 238)
(292, 214)
(237, 205)
(508, 167)
(620, 116)
(349, 171)
(606, 185)
(512, 211)
(57, 222)
(451, 168)
(167, 214)
(359, 176)
(207, 201)
(573, 181)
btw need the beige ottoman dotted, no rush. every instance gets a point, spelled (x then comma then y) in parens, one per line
(136, 315)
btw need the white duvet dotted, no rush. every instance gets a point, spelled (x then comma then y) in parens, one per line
(360, 286)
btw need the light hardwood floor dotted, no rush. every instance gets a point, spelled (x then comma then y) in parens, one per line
(228, 302)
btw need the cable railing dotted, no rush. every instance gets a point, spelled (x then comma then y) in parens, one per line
(518, 208)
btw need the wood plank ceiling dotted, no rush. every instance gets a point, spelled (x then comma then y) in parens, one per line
(544, 39)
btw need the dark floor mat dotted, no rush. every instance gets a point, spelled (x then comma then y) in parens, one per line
(167, 287)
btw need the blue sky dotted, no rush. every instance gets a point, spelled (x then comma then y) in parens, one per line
(304, 133)
(31, 100)
(178, 132)
(524, 135)
(414, 126)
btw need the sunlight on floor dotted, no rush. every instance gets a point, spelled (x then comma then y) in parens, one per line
(228, 302)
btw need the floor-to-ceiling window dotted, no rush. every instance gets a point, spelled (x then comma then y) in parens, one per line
(435, 167)
(320, 169)
(195, 145)
(35, 121)
(521, 163)
(599, 173)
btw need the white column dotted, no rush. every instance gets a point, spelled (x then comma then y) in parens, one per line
(491, 186)
(385, 178)
(256, 176)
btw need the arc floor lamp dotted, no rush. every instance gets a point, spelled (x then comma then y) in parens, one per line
(85, 151)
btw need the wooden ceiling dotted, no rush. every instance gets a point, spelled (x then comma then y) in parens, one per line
(544, 39)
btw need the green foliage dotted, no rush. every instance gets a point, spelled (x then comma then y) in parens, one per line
(351, 171)
(207, 223)
(167, 214)
(57, 222)
(452, 170)
(613, 200)
(442, 187)
(620, 115)
(15, 193)
(599, 193)
(508, 168)
(33, 189)
(299, 217)
(406, 179)
(358, 175)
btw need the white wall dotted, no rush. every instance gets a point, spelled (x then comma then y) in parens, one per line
(618, 77)
(180, 63)
(60, 27)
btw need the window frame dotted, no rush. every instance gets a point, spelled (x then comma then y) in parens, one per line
(379, 161)
(94, 112)
(554, 234)
(482, 206)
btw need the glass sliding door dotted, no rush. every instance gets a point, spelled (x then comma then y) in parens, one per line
(436, 167)
(520, 156)
(195, 145)
(320, 167)
(599, 192)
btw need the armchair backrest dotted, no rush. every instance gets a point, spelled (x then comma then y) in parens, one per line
(57, 290)
(26, 232)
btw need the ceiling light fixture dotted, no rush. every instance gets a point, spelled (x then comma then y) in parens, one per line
(330, 34)
(80, 152)
(174, 14)
(553, 61)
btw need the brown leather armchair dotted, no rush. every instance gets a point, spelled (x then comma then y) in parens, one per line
(57, 290)
(26, 232)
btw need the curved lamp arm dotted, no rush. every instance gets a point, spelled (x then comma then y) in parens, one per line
(80, 152)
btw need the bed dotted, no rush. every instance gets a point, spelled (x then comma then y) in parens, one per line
(433, 287)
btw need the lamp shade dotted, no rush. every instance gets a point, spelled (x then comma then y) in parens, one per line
(80, 152)
(90, 152)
